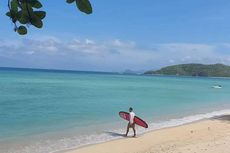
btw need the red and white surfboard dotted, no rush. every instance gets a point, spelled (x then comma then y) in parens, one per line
(137, 120)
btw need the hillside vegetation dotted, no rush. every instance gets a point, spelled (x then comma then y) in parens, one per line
(213, 70)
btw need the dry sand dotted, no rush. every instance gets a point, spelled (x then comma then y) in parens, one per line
(208, 136)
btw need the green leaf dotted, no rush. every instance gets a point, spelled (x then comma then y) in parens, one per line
(12, 15)
(8, 14)
(22, 30)
(84, 6)
(40, 14)
(35, 4)
(70, 1)
(14, 6)
(27, 7)
(23, 17)
(36, 22)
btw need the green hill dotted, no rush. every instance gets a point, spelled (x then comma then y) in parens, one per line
(213, 70)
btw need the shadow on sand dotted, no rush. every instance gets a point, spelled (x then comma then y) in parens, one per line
(114, 134)
(222, 118)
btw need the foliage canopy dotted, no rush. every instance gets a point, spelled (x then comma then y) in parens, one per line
(28, 12)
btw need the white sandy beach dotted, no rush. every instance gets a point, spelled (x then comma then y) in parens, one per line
(208, 136)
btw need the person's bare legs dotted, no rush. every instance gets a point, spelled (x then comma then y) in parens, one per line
(134, 130)
(127, 131)
(131, 126)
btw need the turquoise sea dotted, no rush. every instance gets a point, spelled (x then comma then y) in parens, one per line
(50, 111)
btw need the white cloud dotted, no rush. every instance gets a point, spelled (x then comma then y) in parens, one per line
(88, 41)
(121, 44)
(112, 55)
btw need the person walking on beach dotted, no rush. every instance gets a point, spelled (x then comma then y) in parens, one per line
(131, 123)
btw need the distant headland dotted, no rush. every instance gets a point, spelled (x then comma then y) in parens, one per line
(211, 70)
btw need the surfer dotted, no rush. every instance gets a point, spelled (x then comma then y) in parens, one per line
(131, 123)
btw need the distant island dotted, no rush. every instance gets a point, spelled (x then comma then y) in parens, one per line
(212, 70)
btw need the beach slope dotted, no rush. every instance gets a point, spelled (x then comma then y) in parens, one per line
(208, 136)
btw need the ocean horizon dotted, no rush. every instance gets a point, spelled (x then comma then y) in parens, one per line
(54, 110)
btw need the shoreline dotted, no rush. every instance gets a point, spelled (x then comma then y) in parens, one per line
(66, 144)
(185, 138)
(153, 127)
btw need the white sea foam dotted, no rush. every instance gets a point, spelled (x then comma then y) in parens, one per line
(53, 146)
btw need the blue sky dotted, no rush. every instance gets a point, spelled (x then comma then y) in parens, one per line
(121, 34)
